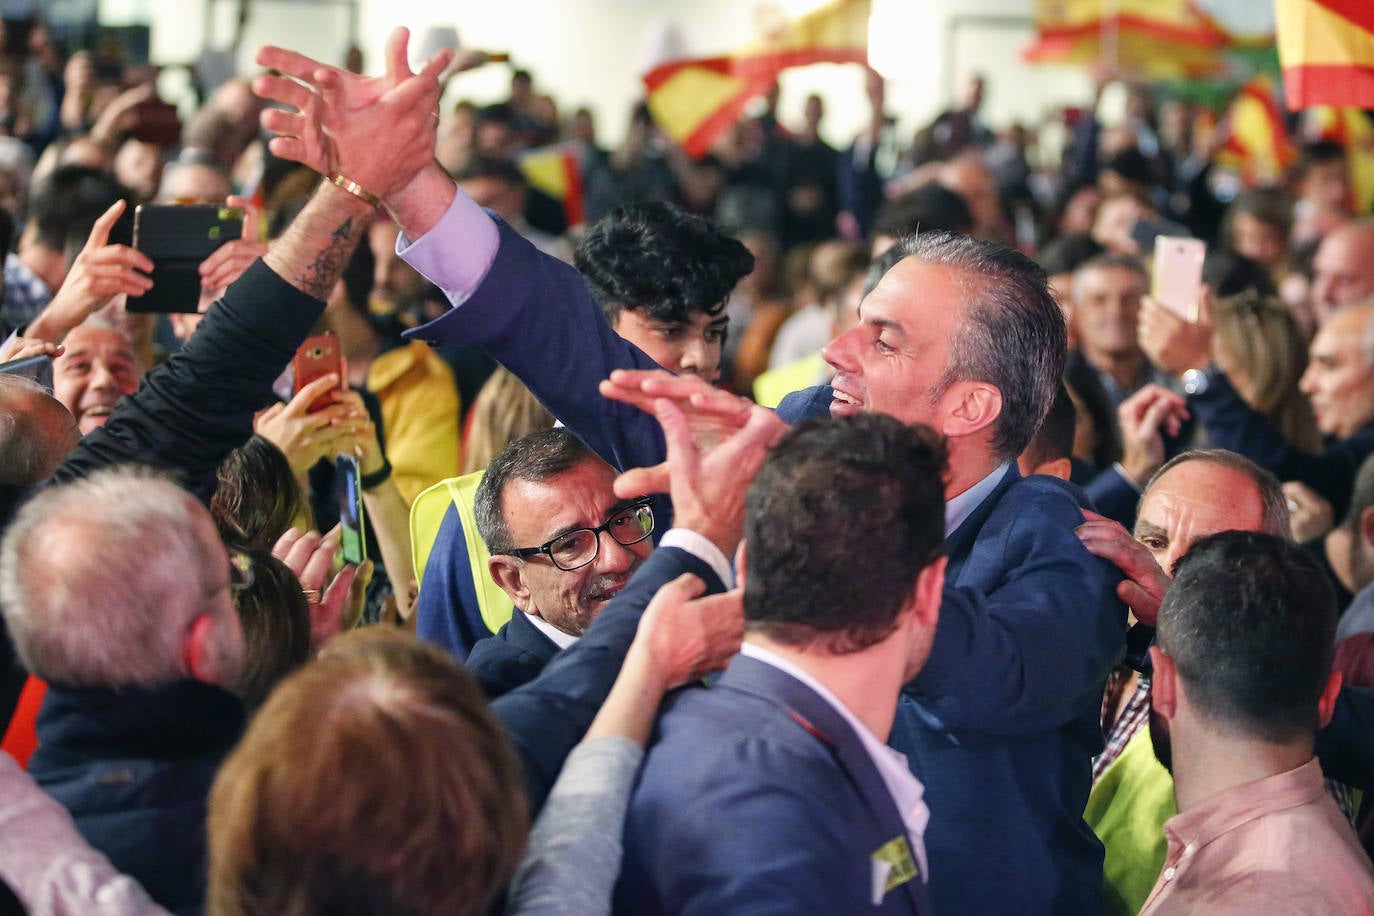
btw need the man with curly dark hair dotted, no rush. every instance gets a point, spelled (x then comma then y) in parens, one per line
(663, 278)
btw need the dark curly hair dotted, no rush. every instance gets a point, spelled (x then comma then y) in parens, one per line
(656, 258)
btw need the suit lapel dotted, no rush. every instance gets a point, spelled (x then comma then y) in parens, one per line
(525, 635)
(817, 717)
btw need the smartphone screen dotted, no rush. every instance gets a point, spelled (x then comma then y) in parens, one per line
(1177, 275)
(177, 239)
(352, 540)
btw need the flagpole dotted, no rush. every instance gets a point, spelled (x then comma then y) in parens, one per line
(1111, 35)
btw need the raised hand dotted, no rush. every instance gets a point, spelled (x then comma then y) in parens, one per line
(1171, 343)
(305, 436)
(230, 260)
(100, 272)
(1145, 584)
(1144, 417)
(716, 444)
(376, 131)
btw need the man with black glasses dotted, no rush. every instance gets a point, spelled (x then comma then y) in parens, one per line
(561, 546)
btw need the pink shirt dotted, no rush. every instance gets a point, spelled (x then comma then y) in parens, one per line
(1276, 845)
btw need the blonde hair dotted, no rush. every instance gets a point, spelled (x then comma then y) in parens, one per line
(1259, 345)
(504, 411)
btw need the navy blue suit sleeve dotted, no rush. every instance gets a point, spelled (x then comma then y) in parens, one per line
(808, 404)
(446, 611)
(1233, 424)
(1113, 496)
(1031, 649)
(1346, 746)
(194, 409)
(535, 315)
(548, 716)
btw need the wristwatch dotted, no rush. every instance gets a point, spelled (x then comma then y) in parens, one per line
(1197, 381)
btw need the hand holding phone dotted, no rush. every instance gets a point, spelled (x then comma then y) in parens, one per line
(177, 239)
(1177, 275)
(317, 357)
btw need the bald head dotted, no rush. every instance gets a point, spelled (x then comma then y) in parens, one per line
(969, 177)
(1344, 268)
(36, 432)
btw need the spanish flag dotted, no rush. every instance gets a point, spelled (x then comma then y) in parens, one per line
(1327, 51)
(557, 171)
(1351, 128)
(694, 101)
(1257, 143)
(1161, 39)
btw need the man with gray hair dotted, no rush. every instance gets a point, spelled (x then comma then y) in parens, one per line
(119, 594)
(562, 545)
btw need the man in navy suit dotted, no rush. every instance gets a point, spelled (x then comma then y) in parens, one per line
(562, 545)
(1003, 721)
(772, 790)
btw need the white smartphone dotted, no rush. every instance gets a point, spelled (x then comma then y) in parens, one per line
(1176, 283)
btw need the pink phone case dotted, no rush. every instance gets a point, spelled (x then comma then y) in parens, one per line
(1177, 281)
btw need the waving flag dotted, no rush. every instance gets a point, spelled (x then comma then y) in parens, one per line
(1257, 142)
(695, 100)
(1327, 51)
(1156, 38)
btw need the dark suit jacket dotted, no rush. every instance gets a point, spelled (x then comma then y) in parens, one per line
(758, 797)
(1002, 723)
(548, 716)
(514, 656)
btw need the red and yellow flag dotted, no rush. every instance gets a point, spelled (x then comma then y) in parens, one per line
(1257, 143)
(1327, 51)
(694, 101)
(1351, 128)
(1163, 39)
(557, 171)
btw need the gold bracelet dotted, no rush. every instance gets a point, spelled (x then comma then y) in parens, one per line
(357, 190)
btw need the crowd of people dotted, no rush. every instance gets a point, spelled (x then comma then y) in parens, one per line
(791, 529)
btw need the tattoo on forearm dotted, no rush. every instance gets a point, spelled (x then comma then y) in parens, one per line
(323, 272)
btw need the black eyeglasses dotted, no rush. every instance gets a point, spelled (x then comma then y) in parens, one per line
(580, 546)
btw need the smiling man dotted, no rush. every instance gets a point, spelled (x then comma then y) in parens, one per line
(1002, 723)
(97, 368)
(561, 546)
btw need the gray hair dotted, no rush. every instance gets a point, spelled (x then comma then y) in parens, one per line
(538, 456)
(1274, 517)
(30, 448)
(100, 578)
(1011, 334)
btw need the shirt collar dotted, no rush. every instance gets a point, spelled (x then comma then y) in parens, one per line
(906, 790)
(561, 639)
(959, 508)
(1237, 806)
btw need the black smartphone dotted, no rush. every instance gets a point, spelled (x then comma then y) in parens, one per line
(1145, 231)
(176, 239)
(38, 368)
(352, 538)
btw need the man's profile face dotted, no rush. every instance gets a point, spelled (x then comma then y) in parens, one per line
(690, 347)
(1106, 304)
(96, 369)
(1343, 270)
(893, 359)
(1193, 500)
(536, 512)
(1339, 381)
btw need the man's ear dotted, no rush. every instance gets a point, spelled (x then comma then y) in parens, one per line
(930, 587)
(508, 573)
(196, 653)
(970, 407)
(740, 574)
(1326, 705)
(1367, 526)
(1163, 683)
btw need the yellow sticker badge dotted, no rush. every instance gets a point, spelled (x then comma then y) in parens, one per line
(893, 866)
